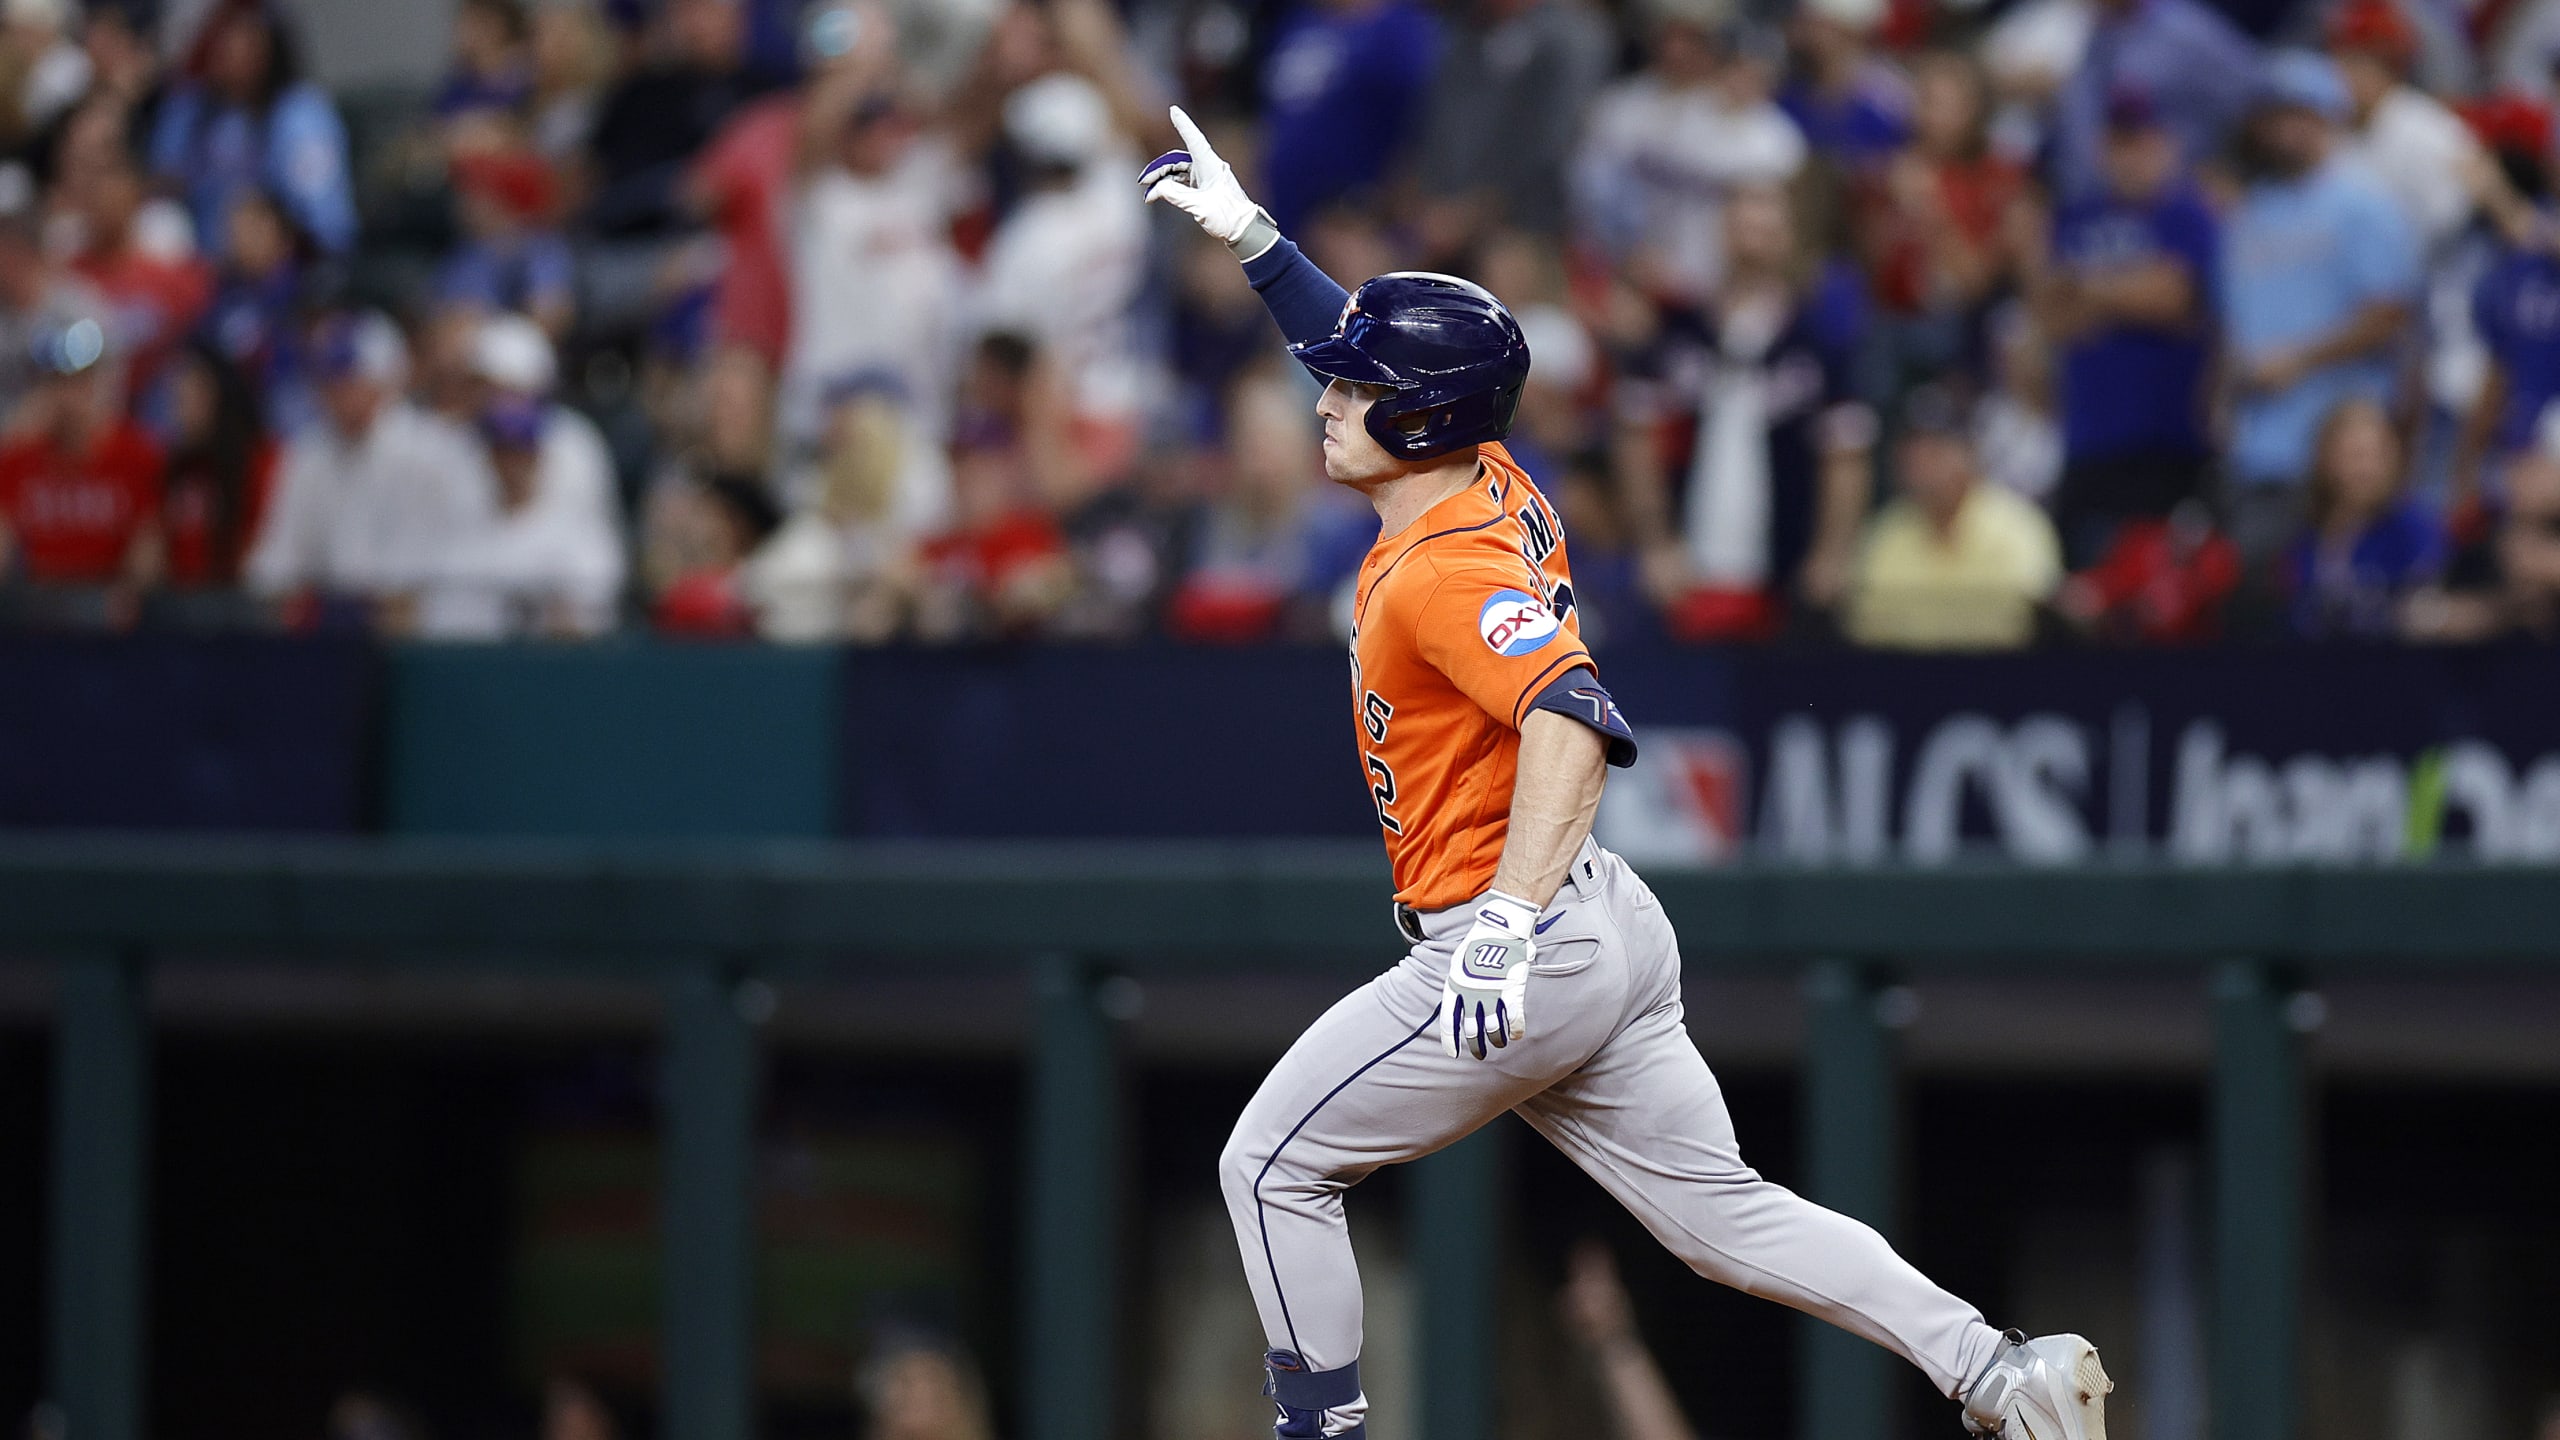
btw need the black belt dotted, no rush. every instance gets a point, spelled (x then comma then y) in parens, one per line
(1409, 920)
(1409, 923)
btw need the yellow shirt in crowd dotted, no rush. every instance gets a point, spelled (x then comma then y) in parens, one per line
(1974, 588)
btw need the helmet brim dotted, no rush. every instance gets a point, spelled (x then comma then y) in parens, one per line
(1336, 358)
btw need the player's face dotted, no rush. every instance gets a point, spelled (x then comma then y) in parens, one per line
(1352, 456)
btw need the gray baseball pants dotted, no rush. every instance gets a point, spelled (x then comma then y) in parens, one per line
(1609, 1075)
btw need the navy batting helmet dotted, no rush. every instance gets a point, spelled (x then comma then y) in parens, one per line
(1450, 351)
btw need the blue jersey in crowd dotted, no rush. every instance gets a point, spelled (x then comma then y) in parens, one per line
(516, 273)
(2135, 389)
(1862, 127)
(2517, 312)
(1340, 92)
(2299, 259)
(296, 151)
(2356, 589)
(2197, 69)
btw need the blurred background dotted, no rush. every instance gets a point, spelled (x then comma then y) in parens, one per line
(448, 450)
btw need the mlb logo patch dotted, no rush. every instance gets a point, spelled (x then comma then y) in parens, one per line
(1513, 623)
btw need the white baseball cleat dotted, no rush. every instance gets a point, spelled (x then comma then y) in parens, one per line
(2048, 1388)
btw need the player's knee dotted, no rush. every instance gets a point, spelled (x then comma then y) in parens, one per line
(1240, 1167)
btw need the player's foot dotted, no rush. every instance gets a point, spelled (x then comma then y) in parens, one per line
(2048, 1388)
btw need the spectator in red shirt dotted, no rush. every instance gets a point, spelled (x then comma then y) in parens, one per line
(1002, 567)
(1933, 217)
(80, 486)
(723, 522)
(153, 298)
(221, 466)
(2162, 581)
(741, 185)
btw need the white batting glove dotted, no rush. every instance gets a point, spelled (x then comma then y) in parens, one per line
(1201, 185)
(1485, 1000)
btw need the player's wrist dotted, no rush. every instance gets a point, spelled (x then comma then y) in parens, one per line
(1260, 233)
(1508, 912)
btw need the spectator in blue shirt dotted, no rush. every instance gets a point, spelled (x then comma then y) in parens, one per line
(1342, 92)
(491, 71)
(250, 120)
(1851, 106)
(2515, 310)
(2194, 64)
(514, 256)
(255, 320)
(2126, 292)
(2367, 546)
(2318, 277)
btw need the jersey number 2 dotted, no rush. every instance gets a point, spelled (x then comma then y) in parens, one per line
(1384, 792)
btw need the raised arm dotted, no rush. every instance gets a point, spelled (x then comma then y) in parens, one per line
(1304, 301)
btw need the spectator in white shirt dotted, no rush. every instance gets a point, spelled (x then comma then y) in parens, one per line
(875, 282)
(534, 566)
(843, 565)
(2413, 143)
(52, 70)
(1065, 264)
(546, 556)
(1664, 148)
(2435, 169)
(369, 496)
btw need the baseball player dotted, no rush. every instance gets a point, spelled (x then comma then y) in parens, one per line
(1543, 978)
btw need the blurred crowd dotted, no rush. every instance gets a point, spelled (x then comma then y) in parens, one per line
(1921, 323)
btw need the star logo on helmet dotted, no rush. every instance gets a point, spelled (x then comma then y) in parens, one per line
(1350, 307)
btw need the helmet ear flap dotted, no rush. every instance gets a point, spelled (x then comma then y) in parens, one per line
(1404, 434)
(1424, 433)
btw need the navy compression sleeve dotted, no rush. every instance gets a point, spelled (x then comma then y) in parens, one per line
(1302, 299)
(1577, 694)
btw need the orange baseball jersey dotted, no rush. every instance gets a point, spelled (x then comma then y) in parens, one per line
(1460, 623)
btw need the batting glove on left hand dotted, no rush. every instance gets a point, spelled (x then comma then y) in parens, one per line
(1485, 1000)
(1203, 186)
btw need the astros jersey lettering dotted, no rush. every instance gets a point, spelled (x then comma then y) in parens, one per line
(1459, 621)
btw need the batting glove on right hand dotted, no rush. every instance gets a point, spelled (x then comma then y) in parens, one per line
(1485, 1000)
(1201, 185)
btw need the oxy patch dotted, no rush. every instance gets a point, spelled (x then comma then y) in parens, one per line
(1515, 623)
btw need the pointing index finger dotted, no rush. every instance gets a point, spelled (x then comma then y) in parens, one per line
(1197, 143)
